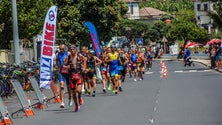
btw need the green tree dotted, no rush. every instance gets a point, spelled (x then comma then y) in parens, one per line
(217, 14)
(69, 26)
(72, 14)
(5, 17)
(158, 31)
(31, 15)
(105, 14)
(185, 31)
(170, 6)
(133, 29)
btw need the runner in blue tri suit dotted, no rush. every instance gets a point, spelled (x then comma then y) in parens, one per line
(149, 58)
(112, 59)
(63, 77)
(133, 60)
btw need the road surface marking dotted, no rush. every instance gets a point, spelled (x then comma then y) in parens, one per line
(149, 73)
(179, 71)
(151, 121)
(154, 109)
(191, 71)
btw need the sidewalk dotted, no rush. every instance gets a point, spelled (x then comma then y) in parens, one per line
(207, 63)
(204, 60)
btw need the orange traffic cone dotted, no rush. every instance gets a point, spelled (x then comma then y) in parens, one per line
(29, 112)
(8, 121)
(164, 75)
(164, 72)
(2, 122)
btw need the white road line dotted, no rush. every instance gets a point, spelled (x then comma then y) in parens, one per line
(148, 72)
(151, 121)
(186, 71)
(208, 70)
(154, 109)
(192, 70)
(178, 71)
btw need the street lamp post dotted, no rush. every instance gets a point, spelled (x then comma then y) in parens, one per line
(15, 33)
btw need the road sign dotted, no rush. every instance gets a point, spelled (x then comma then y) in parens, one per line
(140, 41)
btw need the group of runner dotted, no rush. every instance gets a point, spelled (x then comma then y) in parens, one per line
(78, 68)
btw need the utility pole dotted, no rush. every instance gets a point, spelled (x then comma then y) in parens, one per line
(15, 33)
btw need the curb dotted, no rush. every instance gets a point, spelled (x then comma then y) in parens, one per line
(220, 71)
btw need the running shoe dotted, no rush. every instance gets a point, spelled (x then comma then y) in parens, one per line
(113, 91)
(70, 102)
(104, 90)
(123, 80)
(109, 87)
(76, 108)
(94, 94)
(135, 80)
(120, 89)
(86, 91)
(81, 101)
(62, 105)
(89, 92)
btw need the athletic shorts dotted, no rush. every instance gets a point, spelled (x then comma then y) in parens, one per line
(103, 70)
(123, 72)
(140, 64)
(64, 78)
(75, 83)
(114, 72)
(134, 66)
(216, 58)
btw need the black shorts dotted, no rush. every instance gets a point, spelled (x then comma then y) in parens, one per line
(91, 75)
(123, 72)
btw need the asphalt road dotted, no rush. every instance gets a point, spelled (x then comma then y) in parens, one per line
(189, 96)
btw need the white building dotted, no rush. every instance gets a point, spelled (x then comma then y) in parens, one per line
(133, 9)
(201, 11)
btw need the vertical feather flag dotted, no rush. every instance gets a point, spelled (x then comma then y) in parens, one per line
(46, 61)
(96, 44)
(94, 37)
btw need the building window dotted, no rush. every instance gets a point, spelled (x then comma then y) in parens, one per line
(205, 7)
(198, 7)
(131, 9)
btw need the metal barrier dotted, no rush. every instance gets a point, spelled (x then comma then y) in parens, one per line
(23, 98)
(5, 116)
(39, 94)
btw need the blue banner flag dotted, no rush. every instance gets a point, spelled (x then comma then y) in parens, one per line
(94, 37)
